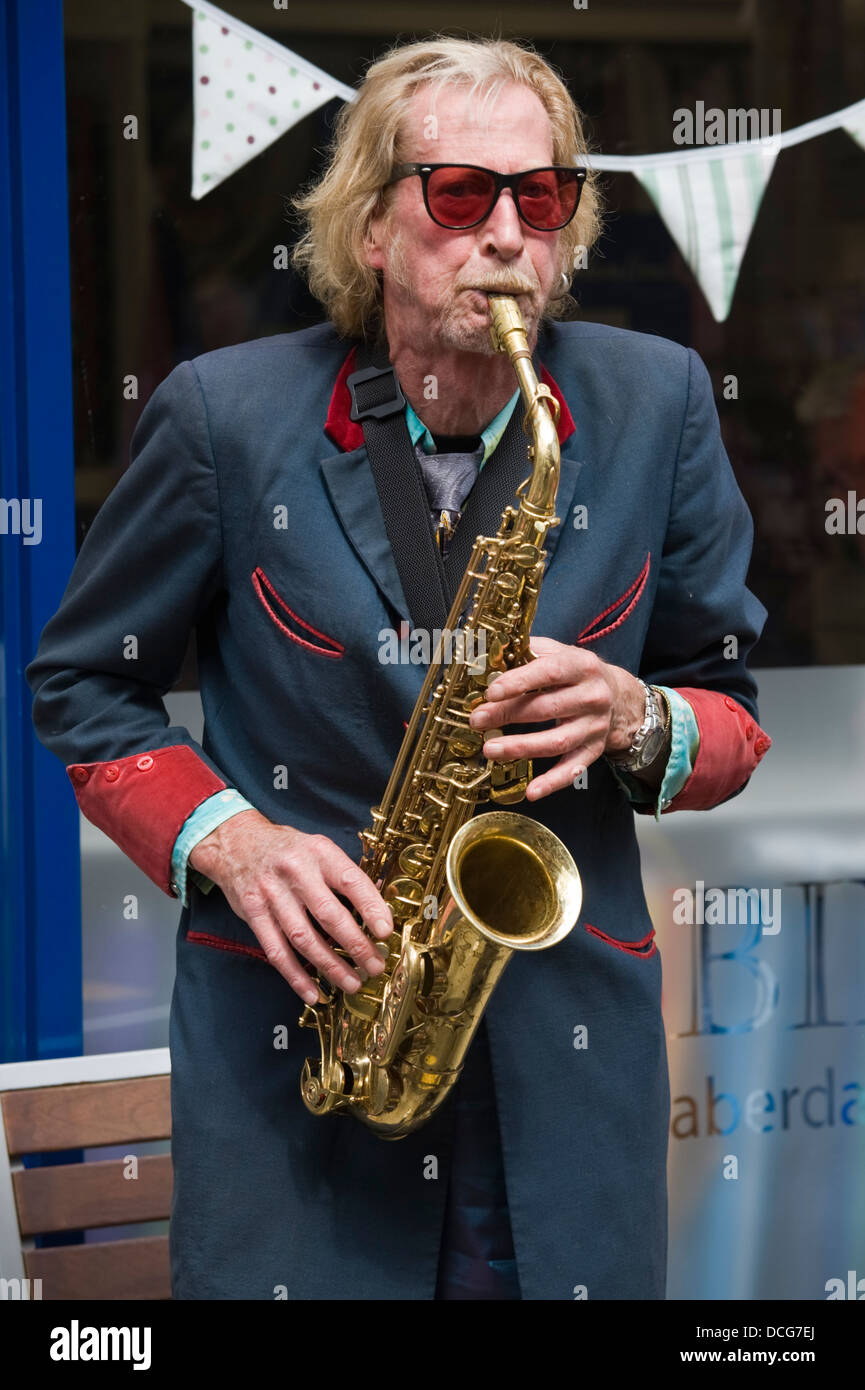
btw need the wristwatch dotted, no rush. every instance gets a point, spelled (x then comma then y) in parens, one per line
(649, 738)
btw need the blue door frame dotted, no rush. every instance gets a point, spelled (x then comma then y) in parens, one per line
(40, 868)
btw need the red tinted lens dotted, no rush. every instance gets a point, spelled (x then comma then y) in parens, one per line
(548, 197)
(458, 197)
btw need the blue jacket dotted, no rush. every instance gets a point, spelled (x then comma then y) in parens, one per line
(240, 518)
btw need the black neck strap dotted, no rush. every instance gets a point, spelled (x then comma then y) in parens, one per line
(429, 584)
(379, 405)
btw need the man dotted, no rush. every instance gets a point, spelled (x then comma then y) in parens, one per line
(543, 1176)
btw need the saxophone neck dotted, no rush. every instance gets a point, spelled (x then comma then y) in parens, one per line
(508, 333)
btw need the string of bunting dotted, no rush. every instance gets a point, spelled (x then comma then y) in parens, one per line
(249, 90)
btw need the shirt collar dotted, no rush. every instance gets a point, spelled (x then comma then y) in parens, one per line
(490, 437)
(347, 434)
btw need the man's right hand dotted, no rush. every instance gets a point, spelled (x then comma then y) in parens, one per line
(273, 876)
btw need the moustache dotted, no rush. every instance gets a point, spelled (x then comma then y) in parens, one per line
(504, 283)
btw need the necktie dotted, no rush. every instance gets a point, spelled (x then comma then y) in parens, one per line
(448, 479)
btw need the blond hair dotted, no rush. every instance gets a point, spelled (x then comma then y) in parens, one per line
(337, 211)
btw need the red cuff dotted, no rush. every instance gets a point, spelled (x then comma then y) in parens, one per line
(141, 802)
(731, 745)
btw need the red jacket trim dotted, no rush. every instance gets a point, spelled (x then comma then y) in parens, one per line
(219, 943)
(731, 745)
(142, 801)
(259, 578)
(644, 948)
(634, 592)
(566, 426)
(348, 434)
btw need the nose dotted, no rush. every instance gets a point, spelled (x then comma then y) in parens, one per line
(502, 232)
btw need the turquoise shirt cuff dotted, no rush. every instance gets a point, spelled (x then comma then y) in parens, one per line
(684, 746)
(206, 817)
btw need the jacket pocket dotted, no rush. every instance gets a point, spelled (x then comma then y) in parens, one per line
(290, 622)
(221, 943)
(642, 949)
(618, 612)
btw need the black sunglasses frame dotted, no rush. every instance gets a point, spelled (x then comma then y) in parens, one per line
(511, 181)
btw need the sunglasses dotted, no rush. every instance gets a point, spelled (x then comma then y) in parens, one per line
(458, 196)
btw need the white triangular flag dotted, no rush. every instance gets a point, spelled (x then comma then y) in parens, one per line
(709, 204)
(854, 123)
(248, 90)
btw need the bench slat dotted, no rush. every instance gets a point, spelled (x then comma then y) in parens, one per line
(86, 1116)
(119, 1269)
(75, 1196)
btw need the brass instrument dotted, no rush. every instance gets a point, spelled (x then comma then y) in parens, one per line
(465, 891)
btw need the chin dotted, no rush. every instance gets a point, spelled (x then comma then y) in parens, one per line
(465, 331)
(468, 337)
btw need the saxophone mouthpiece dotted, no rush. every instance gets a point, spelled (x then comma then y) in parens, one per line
(505, 316)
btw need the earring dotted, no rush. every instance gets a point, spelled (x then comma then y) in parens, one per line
(566, 285)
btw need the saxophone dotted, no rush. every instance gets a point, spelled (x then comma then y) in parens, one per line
(465, 891)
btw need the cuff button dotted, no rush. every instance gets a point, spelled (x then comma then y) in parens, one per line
(144, 764)
(112, 773)
(80, 774)
(761, 744)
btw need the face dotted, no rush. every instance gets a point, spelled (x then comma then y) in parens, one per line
(433, 278)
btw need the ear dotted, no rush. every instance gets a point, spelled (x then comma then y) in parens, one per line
(373, 254)
(374, 241)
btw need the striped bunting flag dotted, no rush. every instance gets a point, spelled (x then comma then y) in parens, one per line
(709, 205)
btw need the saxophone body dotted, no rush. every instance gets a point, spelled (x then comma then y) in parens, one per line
(465, 890)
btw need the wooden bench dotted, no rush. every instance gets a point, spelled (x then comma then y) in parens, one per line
(81, 1103)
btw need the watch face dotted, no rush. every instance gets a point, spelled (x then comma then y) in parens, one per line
(651, 747)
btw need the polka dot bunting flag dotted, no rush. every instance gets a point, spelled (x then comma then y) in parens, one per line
(248, 90)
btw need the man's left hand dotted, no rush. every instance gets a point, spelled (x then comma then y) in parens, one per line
(598, 709)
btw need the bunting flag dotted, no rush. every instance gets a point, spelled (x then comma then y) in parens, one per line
(709, 205)
(249, 90)
(854, 123)
(708, 196)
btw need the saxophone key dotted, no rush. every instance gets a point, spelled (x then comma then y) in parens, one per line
(465, 744)
(415, 859)
(508, 781)
(403, 896)
(526, 555)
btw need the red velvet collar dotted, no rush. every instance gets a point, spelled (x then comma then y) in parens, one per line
(348, 434)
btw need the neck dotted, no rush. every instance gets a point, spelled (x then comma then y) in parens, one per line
(470, 389)
(451, 391)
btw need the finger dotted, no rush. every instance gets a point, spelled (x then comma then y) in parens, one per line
(564, 702)
(282, 958)
(326, 910)
(348, 878)
(544, 743)
(566, 665)
(563, 774)
(309, 943)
